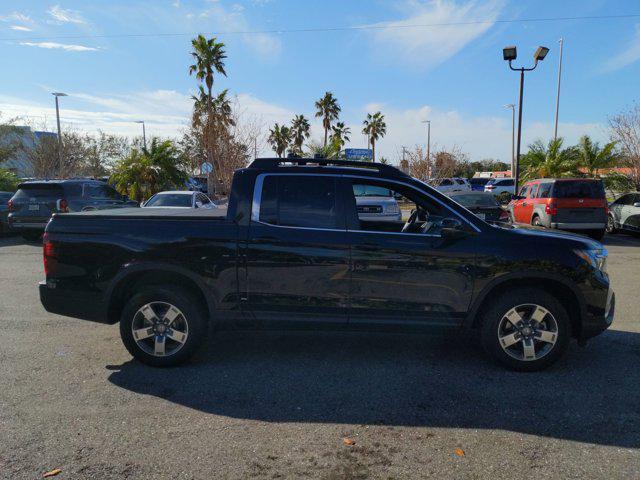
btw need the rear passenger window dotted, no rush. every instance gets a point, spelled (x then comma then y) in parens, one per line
(298, 201)
(543, 191)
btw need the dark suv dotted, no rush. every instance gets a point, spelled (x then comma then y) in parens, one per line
(32, 205)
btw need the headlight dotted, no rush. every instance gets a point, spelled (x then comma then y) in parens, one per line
(391, 209)
(596, 258)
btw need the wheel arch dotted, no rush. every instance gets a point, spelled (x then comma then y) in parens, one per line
(129, 280)
(560, 288)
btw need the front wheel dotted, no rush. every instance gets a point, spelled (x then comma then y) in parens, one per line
(611, 225)
(526, 329)
(162, 326)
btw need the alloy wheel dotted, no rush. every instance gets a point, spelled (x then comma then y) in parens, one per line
(527, 332)
(159, 329)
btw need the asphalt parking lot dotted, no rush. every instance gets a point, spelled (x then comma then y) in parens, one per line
(278, 405)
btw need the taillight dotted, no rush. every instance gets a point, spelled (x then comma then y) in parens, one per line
(489, 187)
(10, 205)
(551, 209)
(63, 206)
(49, 255)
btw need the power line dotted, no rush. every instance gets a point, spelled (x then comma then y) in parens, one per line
(324, 29)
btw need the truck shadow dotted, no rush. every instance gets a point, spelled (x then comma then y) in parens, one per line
(592, 395)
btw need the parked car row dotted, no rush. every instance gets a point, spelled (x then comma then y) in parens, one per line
(28, 210)
(624, 214)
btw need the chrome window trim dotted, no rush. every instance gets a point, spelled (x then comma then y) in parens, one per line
(257, 197)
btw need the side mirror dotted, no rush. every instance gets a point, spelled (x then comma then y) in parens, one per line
(452, 228)
(198, 204)
(637, 204)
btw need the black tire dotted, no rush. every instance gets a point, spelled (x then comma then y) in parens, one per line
(535, 221)
(611, 225)
(492, 323)
(31, 236)
(597, 234)
(192, 314)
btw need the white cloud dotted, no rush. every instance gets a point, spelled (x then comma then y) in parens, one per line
(234, 19)
(628, 56)
(62, 15)
(430, 45)
(20, 28)
(16, 17)
(60, 46)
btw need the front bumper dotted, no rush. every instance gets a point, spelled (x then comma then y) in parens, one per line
(597, 320)
(83, 305)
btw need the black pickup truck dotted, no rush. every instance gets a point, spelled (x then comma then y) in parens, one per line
(291, 251)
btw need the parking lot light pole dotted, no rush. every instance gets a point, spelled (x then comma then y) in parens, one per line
(60, 166)
(144, 134)
(513, 134)
(509, 54)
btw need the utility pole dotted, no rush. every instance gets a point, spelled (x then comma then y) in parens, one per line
(428, 122)
(555, 130)
(513, 134)
(144, 134)
(60, 163)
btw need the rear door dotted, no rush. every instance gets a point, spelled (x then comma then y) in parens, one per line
(36, 202)
(297, 252)
(630, 214)
(580, 202)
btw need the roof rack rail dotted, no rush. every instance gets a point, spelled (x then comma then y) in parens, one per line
(324, 162)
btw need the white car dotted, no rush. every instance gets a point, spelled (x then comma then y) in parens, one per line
(499, 185)
(180, 199)
(447, 185)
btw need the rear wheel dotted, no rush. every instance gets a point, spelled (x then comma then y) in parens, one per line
(162, 326)
(526, 329)
(535, 221)
(597, 234)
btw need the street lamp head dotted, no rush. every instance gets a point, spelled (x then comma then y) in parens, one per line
(541, 52)
(509, 53)
(59, 94)
(425, 121)
(139, 121)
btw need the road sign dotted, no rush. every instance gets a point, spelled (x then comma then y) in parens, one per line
(206, 168)
(358, 153)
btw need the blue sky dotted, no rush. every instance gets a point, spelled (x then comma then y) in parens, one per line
(124, 60)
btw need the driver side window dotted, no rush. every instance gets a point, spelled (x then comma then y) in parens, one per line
(387, 207)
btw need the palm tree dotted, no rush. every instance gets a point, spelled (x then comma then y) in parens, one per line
(279, 138)
(209, 58)
(300, 130)
(594, 158)
(144, 173)
(327, 109)
(376, 128)
(550, 161)
(340, 135)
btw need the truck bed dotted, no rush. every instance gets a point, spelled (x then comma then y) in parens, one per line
(154, 212)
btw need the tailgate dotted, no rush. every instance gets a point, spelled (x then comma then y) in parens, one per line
(36, 201)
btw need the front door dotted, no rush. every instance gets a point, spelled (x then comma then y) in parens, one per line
(413, 277)
(297, 251)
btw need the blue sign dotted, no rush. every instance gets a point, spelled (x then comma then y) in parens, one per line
(354, 153)
(206, 168)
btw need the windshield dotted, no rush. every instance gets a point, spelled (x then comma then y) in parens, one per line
(169, 200)
(476, 200)
(578, 189)
(371, 191)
